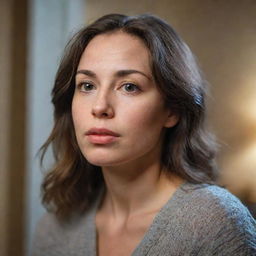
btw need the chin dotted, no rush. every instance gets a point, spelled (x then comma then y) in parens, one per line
(103, 163)
(104, 160)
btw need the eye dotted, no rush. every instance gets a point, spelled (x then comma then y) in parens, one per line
(86, 87)
(130, 87)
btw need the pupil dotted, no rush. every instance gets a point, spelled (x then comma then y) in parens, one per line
(129, 87)
(88, 86)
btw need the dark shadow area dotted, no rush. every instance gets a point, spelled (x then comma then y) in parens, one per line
(17, 154)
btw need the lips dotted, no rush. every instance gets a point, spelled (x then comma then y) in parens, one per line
(101, 136)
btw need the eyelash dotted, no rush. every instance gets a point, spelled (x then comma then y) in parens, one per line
(133, 85)
(81, 85)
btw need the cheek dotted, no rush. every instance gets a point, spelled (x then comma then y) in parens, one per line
(144, 129)
(146, 119)
(74, 114)
(77, 114)
(149, 115)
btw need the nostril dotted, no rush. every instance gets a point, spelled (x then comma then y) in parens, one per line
(102, 111)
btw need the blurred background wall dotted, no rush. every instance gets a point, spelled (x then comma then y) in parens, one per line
(13, 52)
(222, 34)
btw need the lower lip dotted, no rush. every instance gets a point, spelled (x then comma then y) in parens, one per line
(101, 139)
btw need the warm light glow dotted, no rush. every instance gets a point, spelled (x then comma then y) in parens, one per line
(249, 108)
(249, 155)
(245, 101)
(240, 172)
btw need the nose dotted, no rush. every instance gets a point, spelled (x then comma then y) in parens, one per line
(102, 106)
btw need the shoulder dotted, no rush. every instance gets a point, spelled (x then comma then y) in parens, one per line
(55, 237)
(73, 236)
(213, 220)
(217, 203)
(49, 236)
(214, 197)
(49, 225)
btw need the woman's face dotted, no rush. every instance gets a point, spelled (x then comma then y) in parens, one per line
(118, 112)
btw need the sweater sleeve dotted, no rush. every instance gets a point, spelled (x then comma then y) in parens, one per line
(236, 235)
(229, 229)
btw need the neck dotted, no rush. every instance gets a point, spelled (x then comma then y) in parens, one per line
(134, 189)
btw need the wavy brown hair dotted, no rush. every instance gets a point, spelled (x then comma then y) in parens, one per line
(188, 149)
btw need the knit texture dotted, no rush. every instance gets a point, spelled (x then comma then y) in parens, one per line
(197, 220)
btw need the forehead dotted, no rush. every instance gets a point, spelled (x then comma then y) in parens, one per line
(117, 48)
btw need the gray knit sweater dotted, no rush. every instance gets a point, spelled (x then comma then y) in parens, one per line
(197, 220)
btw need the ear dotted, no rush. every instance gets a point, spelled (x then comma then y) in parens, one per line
(171, 120)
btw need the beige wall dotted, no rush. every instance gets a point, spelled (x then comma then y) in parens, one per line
(223, 36)
(12, 119)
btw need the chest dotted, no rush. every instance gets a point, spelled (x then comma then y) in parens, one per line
(117, 245)
(121, 240)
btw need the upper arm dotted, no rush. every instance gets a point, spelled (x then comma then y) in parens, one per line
(236, 237)
(230, 230)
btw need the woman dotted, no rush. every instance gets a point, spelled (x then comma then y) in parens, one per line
(135, 170)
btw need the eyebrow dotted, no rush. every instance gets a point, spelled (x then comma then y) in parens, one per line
(119, 73)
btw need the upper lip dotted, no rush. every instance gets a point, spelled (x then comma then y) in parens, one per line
(101, 131)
